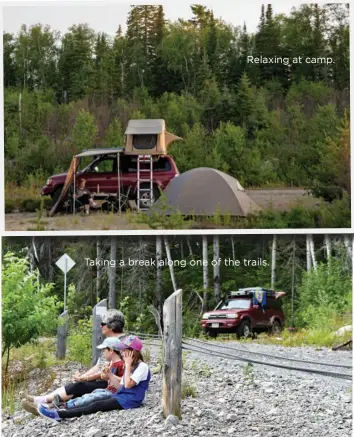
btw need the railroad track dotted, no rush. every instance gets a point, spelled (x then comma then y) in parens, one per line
(236, 354)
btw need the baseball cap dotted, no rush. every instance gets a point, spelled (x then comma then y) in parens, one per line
(111, 342)
(132, 342)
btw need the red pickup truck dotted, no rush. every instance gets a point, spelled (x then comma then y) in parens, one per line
(101, 176)
(240, 314)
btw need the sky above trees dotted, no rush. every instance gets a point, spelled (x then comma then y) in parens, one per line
(106, 18)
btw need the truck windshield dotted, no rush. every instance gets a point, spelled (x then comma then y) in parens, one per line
(234, 303)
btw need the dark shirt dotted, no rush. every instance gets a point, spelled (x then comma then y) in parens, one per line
(79, 192)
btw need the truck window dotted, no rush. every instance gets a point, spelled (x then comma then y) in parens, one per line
(162, 164)
(234, 303)
(105, 165)
(273, 304)
(129, 165)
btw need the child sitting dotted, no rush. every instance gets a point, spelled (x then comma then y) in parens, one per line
(111, 373)
(134, 385)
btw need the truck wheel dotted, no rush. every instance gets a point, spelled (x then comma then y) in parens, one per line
(276, 328)
(145, 196)
(212, 334)
(244, 330)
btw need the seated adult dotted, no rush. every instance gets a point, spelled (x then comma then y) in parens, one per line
(85, 196)
(131, 394)
(112, 325)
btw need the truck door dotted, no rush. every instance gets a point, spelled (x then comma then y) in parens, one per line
(101, 178)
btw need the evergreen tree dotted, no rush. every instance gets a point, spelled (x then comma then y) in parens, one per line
(76, 66)
(212, 45)
(9, 64)
(104, 69)
(120, 62)
(161, 79)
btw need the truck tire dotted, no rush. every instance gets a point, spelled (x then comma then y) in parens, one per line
(244, 330)
(276, 327)
(146, 196)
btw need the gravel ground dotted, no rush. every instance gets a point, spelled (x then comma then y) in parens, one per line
(230, 400)
(280, 199)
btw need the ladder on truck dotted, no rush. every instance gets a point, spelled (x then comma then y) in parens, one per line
(145, 184)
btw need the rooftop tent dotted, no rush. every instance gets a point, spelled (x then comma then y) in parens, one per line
(148, 137)
(72, 172)
(205, 191)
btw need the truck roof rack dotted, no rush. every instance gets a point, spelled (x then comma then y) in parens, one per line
(249, 292)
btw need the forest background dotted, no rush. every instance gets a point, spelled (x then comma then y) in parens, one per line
(314, 271)
(268, 125)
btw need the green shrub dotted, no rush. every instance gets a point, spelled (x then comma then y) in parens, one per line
(23, 297)
(188, 390)
(30, 205)
(34, 204)
(79, 342)
(10, 205)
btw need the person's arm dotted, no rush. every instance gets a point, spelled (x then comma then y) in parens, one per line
(128, 381)
(90, 375)
(116, 381)
(78, 193)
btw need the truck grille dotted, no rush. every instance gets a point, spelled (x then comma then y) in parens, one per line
(217, 316)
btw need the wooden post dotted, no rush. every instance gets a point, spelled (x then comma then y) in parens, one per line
(97, 338)
(62, 335)
(172, 370)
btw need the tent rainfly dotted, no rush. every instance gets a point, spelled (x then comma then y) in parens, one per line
(205, 191)
(148, 137)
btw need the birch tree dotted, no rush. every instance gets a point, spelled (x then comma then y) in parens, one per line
(112, 275)
(328, 248)
(312, 251)
(170, 263)
(205, 273)
(308, 254)
(348, 243)
(98, 269)
(216, 267)
(159, 274)
(274, 260)
(233, 248)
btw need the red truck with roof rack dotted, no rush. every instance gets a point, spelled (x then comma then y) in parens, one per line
(246, 311)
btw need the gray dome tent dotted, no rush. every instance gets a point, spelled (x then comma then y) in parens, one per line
(205, 191)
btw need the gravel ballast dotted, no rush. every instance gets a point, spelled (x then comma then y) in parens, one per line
(232, 398)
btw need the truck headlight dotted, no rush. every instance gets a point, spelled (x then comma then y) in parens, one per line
(231, 316)
(205, 316)
(49, 181)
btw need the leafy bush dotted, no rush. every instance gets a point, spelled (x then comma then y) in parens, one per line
(324, 294)
(28, 308)
(79, 342)
(10, 205)
(34, 204)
